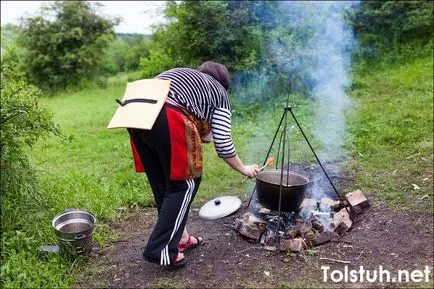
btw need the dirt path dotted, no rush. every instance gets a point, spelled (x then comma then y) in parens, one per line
(394, 240)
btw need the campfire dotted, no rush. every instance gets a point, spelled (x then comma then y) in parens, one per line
(283, 218)
(315, 223)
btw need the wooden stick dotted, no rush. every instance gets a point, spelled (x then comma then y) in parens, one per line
(334, 260)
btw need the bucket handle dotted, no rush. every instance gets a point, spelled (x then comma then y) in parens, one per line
(79, 236)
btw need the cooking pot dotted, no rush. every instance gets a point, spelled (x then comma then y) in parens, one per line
(74, 229)
(293, 190)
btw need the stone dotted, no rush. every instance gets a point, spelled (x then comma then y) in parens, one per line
(329, 205)
(324, 237)
(270, 248)
(293, 245)
(291, 233)
(303, 229)
(310, 238)
(250, 226)
(250, 218)
(264, 211)
(358, 201)
(317, 225)
(341, 222)
(309, 204)
(299, 220)
(49, 249)
(248, 230)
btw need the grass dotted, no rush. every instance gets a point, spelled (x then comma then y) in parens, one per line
(390, 143)
(393, 133)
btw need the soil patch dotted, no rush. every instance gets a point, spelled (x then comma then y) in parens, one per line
(394, 240)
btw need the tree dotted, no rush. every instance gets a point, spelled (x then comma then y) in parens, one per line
(64, 42)
(124, 53)
(222, 31)
(9, 33)
(393, 23)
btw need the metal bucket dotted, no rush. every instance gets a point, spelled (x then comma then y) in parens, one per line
(293, 190)
(74, 229)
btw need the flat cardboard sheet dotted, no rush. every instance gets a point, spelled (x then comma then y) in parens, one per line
(141, 115)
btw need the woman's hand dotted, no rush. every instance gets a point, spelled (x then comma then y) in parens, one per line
(251, 171)
(248, 171)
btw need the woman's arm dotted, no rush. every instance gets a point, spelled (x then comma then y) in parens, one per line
(221, 133)
(225, 148)
(249, 171)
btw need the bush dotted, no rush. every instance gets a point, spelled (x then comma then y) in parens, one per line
(64, 44)
(23, 122)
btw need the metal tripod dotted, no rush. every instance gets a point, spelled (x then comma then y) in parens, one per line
(282, 147)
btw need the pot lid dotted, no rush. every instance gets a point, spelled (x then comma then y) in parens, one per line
(219, 207)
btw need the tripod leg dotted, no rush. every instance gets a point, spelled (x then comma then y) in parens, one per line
(268, 153)
(341, 199)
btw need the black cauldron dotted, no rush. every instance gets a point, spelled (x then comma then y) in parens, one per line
(293, 189)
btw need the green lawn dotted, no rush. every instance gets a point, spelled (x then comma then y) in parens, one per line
(390, 146)
(393, 133)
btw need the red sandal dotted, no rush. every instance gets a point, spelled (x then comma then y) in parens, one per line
(189, 244)
(177, 263)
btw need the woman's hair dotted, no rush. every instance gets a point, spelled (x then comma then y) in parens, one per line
(217, 70)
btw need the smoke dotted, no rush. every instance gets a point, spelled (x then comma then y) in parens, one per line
(308, 52)
(321, 62)
(331, 41)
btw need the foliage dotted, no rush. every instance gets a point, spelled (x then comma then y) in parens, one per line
(22, 123)
(124, 53)
(9, 33)
(392, 146)
(394, 21)
(113, 60)
(22, 120)
(271, 45)
(227, 35)
(11, 52)
(64, 42)
(384, 26)
(275, 45)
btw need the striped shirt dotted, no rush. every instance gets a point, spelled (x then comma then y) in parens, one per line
(207, 99)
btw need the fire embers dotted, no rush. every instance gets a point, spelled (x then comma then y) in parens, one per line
(318, 222)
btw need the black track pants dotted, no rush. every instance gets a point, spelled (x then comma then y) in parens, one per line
(172, 218)
(173, 198)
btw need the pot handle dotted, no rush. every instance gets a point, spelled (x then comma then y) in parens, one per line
(79, 236)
